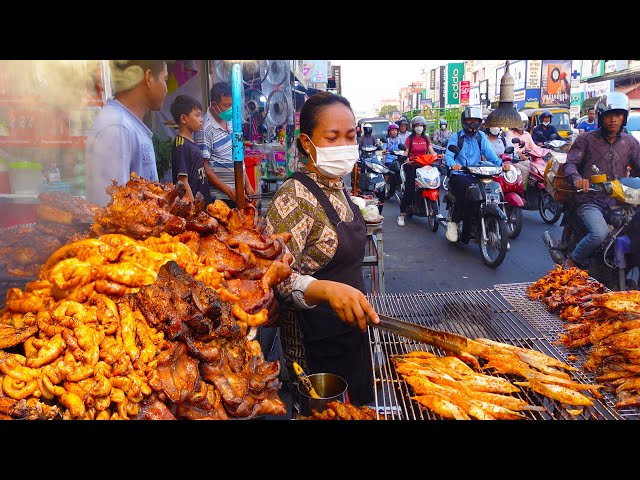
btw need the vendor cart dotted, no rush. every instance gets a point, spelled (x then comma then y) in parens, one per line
(503, 314)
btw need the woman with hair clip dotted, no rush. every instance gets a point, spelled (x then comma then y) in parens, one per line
(323, 303)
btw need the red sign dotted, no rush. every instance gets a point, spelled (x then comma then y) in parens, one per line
(465, 86)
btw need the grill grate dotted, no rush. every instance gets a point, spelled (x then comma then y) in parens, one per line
(551, 326)
(472, 313)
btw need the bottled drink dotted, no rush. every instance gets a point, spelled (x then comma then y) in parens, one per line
(53, 175)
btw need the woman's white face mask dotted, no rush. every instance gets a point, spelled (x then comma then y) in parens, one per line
(494, 130)
(335, 162)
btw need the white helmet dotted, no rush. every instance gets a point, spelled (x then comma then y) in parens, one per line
(525, 120)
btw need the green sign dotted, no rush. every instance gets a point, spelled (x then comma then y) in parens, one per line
(455, 74)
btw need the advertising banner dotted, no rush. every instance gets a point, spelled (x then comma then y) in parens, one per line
(474, 96)
(555, 88)
(532, 98)
(465, 85)
(442, 86)
(517, 70)
(314, 71)
(592, 68)
(432, 79)
(484, 93)
(534, 71)
(455, 74)
(335, 73)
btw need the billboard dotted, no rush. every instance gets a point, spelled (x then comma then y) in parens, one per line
(455, 74)
(518, 71)
(591, 68)
(555, 88)
(534, 71)
(484, 93)
(314, 71)
(335, 73)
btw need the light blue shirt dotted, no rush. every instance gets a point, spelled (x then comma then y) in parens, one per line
(469, 155)
(118, 144)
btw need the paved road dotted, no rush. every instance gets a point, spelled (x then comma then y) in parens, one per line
(418, 260)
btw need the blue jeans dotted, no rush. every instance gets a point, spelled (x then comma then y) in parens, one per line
(598, 230)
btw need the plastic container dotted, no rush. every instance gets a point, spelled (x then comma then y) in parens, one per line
(56, 187)
(5, 183)
(25, 177)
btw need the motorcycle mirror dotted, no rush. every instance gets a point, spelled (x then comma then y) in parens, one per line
(515, 140)
(509, 150)
(402, 146)
(453, 148)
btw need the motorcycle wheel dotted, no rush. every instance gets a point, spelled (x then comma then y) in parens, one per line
(514, 220)
(494, 246)
(432, 211)
(550, 210)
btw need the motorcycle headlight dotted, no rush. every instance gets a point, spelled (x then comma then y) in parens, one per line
(376, 167)
(511, 175)
(485, 170)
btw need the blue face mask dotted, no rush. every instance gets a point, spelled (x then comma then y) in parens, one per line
(226, 115)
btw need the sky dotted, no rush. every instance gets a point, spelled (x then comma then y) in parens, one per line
(365, 82)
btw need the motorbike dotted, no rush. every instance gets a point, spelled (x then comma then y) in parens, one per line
(612, 263)
(536, 196)
(442, 167)
(393, 177)
(512, 191)
(489, 222)
(426, 198)
(370, 174)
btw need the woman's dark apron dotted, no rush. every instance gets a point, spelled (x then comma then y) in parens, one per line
(330, 345)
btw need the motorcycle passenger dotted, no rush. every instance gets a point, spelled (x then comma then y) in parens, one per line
(367, 138)
(496, 139)
(611, 150)
(418, 143)
(475, 145)
(543, 131)
(404, 132)
(392, 142)
(529, 146)
(441, 136)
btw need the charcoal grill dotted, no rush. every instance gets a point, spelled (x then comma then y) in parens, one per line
(473, 313)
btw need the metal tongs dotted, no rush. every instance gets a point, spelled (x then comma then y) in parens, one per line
(451, 342)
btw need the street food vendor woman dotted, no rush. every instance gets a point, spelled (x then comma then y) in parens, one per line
(323, 299)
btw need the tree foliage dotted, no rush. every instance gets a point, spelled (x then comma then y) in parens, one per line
(387, 109)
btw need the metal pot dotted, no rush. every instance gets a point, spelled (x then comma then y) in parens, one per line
(330, 387)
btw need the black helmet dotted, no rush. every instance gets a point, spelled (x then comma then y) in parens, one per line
(546, 113)
(367, 128)
(418, 120)
(443, 122)
(612, 101)
(471, 112)
(402, 121)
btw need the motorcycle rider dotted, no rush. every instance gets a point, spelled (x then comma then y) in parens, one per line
(611, 150)
(391, 144)
(418, 143)
(543, 131)
(403, 132)
(441, 136)
(475, 145)
(367, 138)
(529, 146)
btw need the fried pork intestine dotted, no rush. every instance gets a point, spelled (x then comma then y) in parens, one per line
(92, 358)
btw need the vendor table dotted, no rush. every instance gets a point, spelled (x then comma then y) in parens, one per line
(485, 313)
(374, 257)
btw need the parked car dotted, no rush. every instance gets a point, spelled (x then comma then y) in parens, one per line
(561, 119)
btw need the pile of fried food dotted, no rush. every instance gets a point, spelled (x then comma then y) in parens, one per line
(337, 410)
(609, 322)
(452, 389)
(147, 319)
(61, 218)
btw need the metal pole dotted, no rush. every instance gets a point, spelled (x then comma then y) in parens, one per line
(236, 136)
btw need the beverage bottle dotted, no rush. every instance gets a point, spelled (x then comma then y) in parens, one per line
(54, 174)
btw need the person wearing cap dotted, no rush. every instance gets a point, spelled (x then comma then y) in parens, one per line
(119, 142)
(611, 151)
(543, 131)
(392, 142)
(528, 147)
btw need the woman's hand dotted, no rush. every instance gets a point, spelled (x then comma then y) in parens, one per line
(347, 302)
(506, 167)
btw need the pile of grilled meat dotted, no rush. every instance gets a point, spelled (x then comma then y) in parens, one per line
(146, 316)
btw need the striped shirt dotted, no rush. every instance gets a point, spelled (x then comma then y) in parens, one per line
(215, 143)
